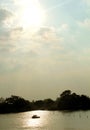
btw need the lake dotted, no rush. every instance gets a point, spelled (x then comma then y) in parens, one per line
(49, 120)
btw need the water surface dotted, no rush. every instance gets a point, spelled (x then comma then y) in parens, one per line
(49, 120)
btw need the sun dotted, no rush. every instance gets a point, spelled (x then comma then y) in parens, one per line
(32, 15)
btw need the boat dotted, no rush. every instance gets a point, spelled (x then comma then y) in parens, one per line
(35, 116)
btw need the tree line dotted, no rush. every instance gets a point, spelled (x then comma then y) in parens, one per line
(67, 101)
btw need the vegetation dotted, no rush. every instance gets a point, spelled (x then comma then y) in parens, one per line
(72, 101)
(66, 101)
(14, 104)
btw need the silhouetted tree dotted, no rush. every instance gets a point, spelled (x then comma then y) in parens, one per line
(49, 104)
(66, 101)
(14, 104)
(72, 101)
(65, 93)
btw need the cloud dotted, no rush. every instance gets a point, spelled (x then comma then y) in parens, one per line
(6, 49)
(64, 27)
(9, 39)
(12, 34)
(48, 35)
(4, 35)
(5, 16)
(85, 23)
(16, 33)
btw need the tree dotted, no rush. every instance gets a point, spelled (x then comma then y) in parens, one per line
(66, 93)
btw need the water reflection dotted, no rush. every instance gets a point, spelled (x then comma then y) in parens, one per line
(34, 122)
(29, 122)
(54, 121)
(49, 120)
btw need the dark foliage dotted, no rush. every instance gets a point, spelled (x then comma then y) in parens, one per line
(14, 104)
(72, 101)
(66, 101)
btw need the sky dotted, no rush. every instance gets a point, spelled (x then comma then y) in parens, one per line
(44, 48)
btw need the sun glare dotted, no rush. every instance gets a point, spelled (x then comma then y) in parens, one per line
(32, 15)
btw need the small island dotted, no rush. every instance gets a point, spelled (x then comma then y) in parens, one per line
(67, 101)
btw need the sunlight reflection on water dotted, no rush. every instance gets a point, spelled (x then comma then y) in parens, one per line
(36, 123)
(52, 121)
(49, 120)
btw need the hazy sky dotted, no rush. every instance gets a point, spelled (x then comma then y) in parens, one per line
(44, 47)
